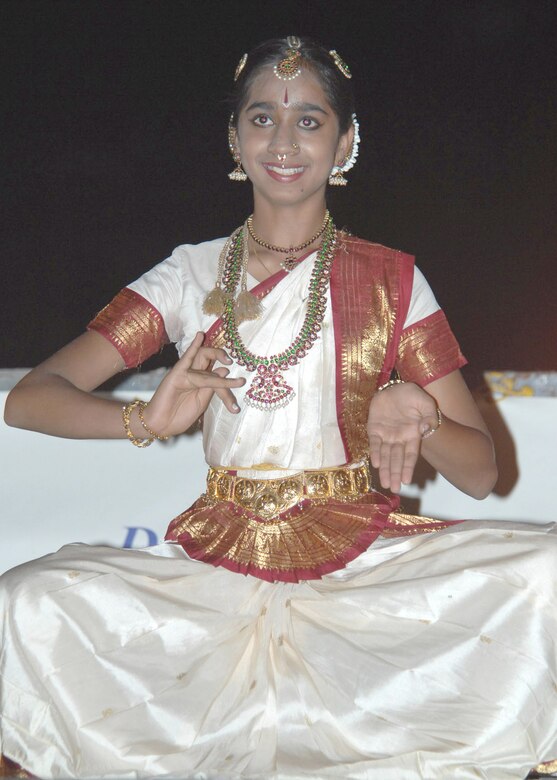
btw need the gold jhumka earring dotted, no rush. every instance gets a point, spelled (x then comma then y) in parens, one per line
(238, 174)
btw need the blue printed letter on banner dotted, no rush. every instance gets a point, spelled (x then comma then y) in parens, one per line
(132, 532)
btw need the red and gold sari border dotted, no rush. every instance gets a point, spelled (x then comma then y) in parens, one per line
(132, 325)
(401, 524)
(370, 288)
(9, 768)
(312, 539)
(308, 541)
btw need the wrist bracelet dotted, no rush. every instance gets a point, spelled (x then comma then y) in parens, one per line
(390, 383)
(127, 410)
(151, 433)
(431, 431)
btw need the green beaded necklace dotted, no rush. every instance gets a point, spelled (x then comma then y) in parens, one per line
(268, 390)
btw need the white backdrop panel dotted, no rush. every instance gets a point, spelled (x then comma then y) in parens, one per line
(56, 491)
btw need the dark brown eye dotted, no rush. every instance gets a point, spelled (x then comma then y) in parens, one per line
(262, 120)
(309, 123)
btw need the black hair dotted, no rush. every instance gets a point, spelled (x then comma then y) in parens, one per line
(315, 58)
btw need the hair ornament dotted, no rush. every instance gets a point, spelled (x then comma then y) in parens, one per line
(340, 63)
(240, 66)
(291, 66)
(336, 178)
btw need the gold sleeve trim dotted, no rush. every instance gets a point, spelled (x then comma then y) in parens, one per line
(132, 325)
(428, 350)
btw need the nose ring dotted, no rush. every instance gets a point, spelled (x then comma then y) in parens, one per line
(296, 147)
(281, 157)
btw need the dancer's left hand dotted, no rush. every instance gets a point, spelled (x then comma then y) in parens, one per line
(398, 418)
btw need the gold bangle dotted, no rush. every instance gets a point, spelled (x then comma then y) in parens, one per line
(151, 433)
(127, 410)
(390, 383)
(431, 431)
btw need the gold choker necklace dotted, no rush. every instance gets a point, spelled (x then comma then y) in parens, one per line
(291, 250)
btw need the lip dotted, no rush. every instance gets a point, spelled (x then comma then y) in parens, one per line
(284, 175)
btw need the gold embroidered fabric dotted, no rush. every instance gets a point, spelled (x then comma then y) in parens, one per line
(428, 351)
(132, 325)
(365, 292)
(401, 524)
(547, 768)
(294, 528)
(305, 542)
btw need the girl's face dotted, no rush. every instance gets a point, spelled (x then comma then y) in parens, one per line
(291, 118)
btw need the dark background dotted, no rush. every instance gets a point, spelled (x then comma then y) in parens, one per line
(113, 151)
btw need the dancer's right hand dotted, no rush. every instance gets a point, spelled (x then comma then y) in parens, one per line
(185, 392)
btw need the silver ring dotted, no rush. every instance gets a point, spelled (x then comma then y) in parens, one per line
(281, 157)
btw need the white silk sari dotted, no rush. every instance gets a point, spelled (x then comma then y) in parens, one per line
(431, 656)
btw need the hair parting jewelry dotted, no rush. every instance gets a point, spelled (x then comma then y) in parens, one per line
(336, 178)
(291, 66)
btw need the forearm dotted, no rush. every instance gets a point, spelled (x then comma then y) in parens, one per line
(56, 407)
(464, 456)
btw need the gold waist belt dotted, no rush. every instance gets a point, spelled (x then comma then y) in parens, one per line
(269, 497)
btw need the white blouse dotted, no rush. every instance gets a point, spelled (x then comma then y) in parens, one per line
(302, 435)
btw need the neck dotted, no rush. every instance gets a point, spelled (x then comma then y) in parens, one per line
(288, 225)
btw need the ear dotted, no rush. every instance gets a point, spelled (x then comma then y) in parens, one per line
(233, 139)
(344, 146)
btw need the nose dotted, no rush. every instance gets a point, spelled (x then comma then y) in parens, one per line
(282, 147)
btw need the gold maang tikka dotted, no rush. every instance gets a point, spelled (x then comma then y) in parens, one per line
(291, 66)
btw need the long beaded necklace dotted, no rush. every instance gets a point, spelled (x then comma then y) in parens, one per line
(268, 390)
(290, 261)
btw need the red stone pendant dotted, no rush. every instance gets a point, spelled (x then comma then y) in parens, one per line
(268, 390)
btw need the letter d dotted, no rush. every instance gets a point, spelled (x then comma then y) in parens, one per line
(132, 532)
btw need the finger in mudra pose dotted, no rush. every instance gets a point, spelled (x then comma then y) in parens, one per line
(295, 623)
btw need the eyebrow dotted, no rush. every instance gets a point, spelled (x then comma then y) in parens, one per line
(296, 106)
